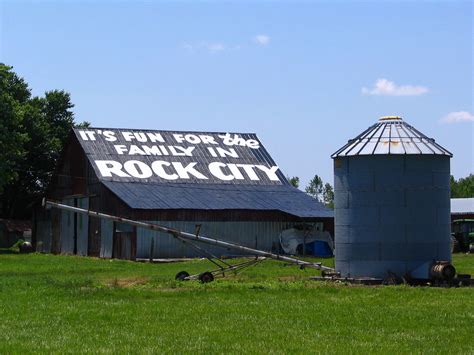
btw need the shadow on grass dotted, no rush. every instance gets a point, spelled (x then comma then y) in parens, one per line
(8, 251)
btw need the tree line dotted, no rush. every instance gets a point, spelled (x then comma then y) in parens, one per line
(323, 192)
(463, 187)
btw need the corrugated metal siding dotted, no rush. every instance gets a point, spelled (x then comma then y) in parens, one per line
(82, 227)
(44, 236)
(219, 197)
(392, 214)
(42, 230)
(261, 235)
(106, 238)
(67, 229)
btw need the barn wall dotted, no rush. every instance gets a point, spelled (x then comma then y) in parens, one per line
(259, 235)
(55, 231)
(74, 228)
(82, 227)
(7, 239)
(94, 235)
(42, 232)
(67, 229)
(106, 238)
(455, 216)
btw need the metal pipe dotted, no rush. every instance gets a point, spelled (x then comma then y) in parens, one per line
(189, 236)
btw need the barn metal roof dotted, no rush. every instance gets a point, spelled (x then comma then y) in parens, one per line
(391, 135)
(219, 197)
(150, 169)
(462, 205)
(129, 145)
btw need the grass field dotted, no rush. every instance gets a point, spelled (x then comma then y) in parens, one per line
(73, 304)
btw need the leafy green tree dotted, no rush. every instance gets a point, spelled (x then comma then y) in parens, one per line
(294, 181)
(14, 94)
(315, 187)
(33, 131)
(328, 195)
(321, 191)
(462, 188)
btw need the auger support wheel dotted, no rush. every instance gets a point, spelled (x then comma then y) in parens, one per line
(181, 276)
(206, 277)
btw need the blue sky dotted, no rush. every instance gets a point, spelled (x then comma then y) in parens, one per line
(305, 76)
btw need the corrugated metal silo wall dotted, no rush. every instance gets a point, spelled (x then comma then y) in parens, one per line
(392, 213)
(260, 235)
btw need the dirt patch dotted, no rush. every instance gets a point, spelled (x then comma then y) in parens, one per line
(127, 282)
(289, 278)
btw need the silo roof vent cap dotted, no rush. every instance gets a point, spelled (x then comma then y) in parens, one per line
(389, 118)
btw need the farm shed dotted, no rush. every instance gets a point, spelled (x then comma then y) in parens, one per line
(13, 230)
(218, 184)
(462, 208)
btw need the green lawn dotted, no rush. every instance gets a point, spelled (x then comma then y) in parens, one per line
(73, 304)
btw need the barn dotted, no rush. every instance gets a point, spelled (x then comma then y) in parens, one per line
(12, 231)
(462, 208)
(223, 185)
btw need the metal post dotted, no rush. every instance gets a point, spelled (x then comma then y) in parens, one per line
(152, 246)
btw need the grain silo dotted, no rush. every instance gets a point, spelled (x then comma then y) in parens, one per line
(392, 206)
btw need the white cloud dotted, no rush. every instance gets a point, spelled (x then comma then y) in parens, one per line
(216, 47)
(212, 47)
(458, 116)
(262, 40)
(188, 46)
(384, 87)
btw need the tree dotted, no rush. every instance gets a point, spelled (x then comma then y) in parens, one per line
(14, 94)
(328, 195)
(315, 187)
(33, 131)
(462, 188)
(294, 181)
(321, 191)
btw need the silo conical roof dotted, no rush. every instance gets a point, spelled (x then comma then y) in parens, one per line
(391, 135)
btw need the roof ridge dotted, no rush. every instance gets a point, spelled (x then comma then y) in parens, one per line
(157, 130)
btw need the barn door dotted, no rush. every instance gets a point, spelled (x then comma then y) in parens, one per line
(74, 228)
(124, 241)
